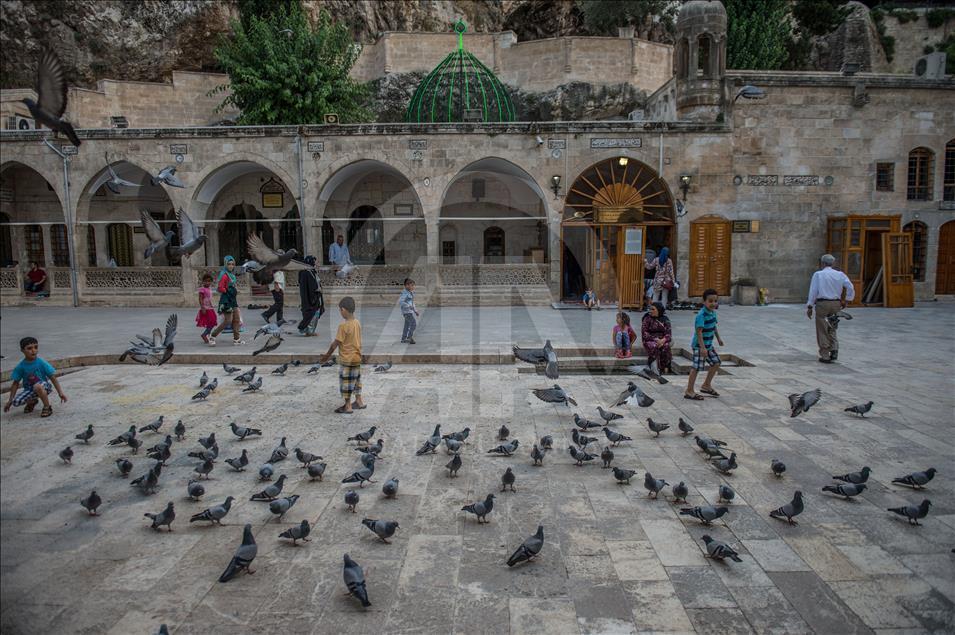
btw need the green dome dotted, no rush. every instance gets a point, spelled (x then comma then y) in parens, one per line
(460, 89)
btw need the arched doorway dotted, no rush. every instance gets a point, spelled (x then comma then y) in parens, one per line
(366, 236)
(235, 232)
(945, 267)
(6, 242)
(494, 245)
(290, 233)
(32, 226)
(614, 210)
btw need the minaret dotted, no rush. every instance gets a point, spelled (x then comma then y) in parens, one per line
(699, 60)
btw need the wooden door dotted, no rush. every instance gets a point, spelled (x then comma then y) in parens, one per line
(631, 244)
(897, 269)
(945, 265)
(710, 251)
(606, 263)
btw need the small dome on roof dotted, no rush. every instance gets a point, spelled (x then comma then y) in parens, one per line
(697, 11)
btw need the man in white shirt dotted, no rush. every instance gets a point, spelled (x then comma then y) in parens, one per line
(338, 252)
(278, 299)
(829, 292)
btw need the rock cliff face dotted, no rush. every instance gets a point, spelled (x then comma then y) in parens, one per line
(855, 41)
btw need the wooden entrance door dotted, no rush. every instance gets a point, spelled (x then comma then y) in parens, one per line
(631, 244)
(710, 251)
(897, 268)
(850, 239)
(945, 266)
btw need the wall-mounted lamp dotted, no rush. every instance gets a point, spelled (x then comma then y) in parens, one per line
(623, 161)
(555, 185)
(685, 184)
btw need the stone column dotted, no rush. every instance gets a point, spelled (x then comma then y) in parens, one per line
(433, 252)
(102, 245)
(47, 246)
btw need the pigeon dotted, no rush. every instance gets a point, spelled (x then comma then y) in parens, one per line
(719, 550)
(705, 513)
(157, 238)
(503, 433)
(195, 490)
(802, 403)
(361, 476)
(633, 396)
(606, 456)
(51, 92)
(454, 465)
(451, 445)
(585, 424)
(230, 369)
(206, 455)
(244, 555)
(280, 506)
(684, 427)
(606, 415)
(714, 451)
(203, 394)
(703, 441)
(506, 449)
(135, 444)
(384, 529)
(648, 372)
(390, 488)
(622, 475)
(253, 386)
(726, 466)
(367, 458)
(375, 448)
(680, 492)
(429, 447)
(554, 395)
(298, 532)
(280, 453)
(203, 380)
(317, 471)
(614, 437)
(154, 426)
(114, 183)
(580, 455)
(351, 499)
(270, 260)
(913, 512)
(545, 355)
(205, 468)
(848, 490)
(653, 485)
(778, 467)
(657, 427)
(125, 466)
(917, 480)
(190, 240)
(314, 369)
(537, 455)
(66, 455)
(147, 482)
(91, 503)
(165, 517)
(530, 548)
(364, 437)
(271, 492)
(245, 377)
(305, 458)
(581, 440)
(281, 370)
(180, 430)
(330, 362)
(481, 508)
(124, 437)
(547, 442)
(242, 432)
(861, 409)
(383, 368)
(86, 435)
(238, 463)
(458, 436)
(265, 472)
(168, 176)
(856, 478)
(725, 493)
(833, 319)
(211, 386)
(790, 510)
(161, 452)
(507, 480)
(355, 581)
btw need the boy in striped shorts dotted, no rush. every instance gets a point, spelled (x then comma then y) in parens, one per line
(348, 340)
(703, 352)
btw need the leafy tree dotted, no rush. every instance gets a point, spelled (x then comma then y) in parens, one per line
(284, 71)
(604, 16)
(265, 9)
(758, 33)
(819, 17)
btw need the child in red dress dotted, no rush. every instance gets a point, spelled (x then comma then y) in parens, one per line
(623, 336)
(206, 317)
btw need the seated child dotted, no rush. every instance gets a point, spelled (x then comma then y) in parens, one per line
(590, 299)
(623, 336)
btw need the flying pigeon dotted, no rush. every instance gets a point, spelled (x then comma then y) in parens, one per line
(778, 467)
(607, 416)
(802, 403)
(726, 465)
(554, 395)
(653, 485)
(719, 550)
(168, 176)
(245, 377)
(615, 438)
(280, 453)
(545, 355)
(125, 466)
(680, 492)
(351, 499)
(481, 508)
(156, 351)
(86, 435)
(684, 427)
(66, 455)
(657, 427)
(585, 424)
(230, 369)
(190, 240)
(506, 449)
(606, 456)
(364, 437)
(580, 455)
(384, 529)
(91, 503)
(165, 517)
(856, 478)
(280, 506)
(634, 396)
(622, 475)
(454, 465)
(913, 512)
(154, 426)
(705, 513)
(298, 532)
(383, 368)
(917, 480)
(861, 409)
(51, 93)
(648, 372)
(390, 488)
(115, 182)
(507, 480)
(271, 491)
(317, 471)
(833, 318)
(240, 462)
(725, 493)
(270, 344)
(244, 555)
(195, 490)
(265, 472)
(355, 581)
(270, 260)
(157, 238)
(790, 510)
(530, 548)
(537, 455)
(845, 489)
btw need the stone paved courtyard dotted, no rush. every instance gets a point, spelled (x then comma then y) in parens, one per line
(614, 560)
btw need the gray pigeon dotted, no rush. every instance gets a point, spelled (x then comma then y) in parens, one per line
(622, 475)
(157, 238)
(580, 455)
(657, 427)
(506, 449)
(168, 176)
(680, 492)
(546, 356)
(124, 438)
(778, 467)
(790, 510)
(351, 499)
(845, 489)
(581, 440)
(244, 555)
(86, 435)
(214, 514)
(240, 462)
(180, 430)
(481, 508)
(281, 370)
(135, 444)
(703, 441)
(190, 240)
(554, 395)
(270, 260)
(684, 427)
(633, 396)
(384, 529)
(537, 455)
(452, 445)
(280, 453)
(719, 550)
(165, 517)
(266, 471)
(367, 458)
(608, 416)
(383, 368)
(725, 493)
(585, 424)
(51, 90)
(615, 438)
(298, 532)
(355, 581)
(208, 442)
(726, 466)
(243, 432)
(91, 503)
(254, 386)
(861, 409)
(206, 455)
(203, 380)
(917, 480)
(361, 476)
(364, 437)
(203, 394)
(205, 469)
(507, 480)
(802, 403)
(454, 465)
(714, 451)
(230, 369)
(245, 377)
(856, 478)
(124, 465)
(913, 512)
(530, 548)
(305, 458)
(390, 488)
(503, 432)
(547, 442)
(649, 372)
(157, 350)
(115, 182)
(606, 456)
(705, 513)
(195, 490)
(314, 369)
(154, 426)
(271, 491)
(317, 471)
(280, 506)
(66, 455)
(653, 485)
(460, 437)
(148, 482)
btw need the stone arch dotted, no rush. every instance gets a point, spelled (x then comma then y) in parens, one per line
(623, 183)
(30, 217)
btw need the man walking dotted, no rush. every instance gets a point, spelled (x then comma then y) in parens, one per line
(310, 291)
(278, 299)
(829, 292)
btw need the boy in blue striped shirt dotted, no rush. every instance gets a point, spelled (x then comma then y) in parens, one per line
(703, 352)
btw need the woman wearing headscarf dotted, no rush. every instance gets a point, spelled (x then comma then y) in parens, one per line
(228, 302)
(664, 278)
(657, 337)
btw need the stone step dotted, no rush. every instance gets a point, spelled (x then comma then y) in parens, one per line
(491, 295)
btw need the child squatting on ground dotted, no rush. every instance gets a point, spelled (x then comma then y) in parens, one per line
(37, 378)
(623, 336)
(348, 341)
(206, 317)
(703, 351)
(409, 311)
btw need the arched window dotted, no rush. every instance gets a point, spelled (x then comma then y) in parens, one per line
(704, 44)
(919, 231)
(6, 242)
(290, 233)
(683, 58)
(921, 165)
(494, 245)
(120, 242)
(60, 245)
(948, 180)
(33, 234)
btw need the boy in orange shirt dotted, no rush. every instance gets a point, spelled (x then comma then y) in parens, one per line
(348, 341)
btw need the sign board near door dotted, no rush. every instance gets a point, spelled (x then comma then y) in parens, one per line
(633, 243)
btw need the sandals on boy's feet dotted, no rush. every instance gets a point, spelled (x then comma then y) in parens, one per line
(710, 391)
(31, 405)
(341, 410)
(47, 411)
(693, 397)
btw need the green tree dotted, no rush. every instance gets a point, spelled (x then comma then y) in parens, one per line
(758, 33)
(602, 17)
(265, 9)
(284, 71)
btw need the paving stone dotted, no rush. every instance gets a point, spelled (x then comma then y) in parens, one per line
(725, 620)
(768, 611)
(700, 588)
(817, 603)
(656, 607)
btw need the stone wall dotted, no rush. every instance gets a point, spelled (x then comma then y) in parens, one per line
(911, 38)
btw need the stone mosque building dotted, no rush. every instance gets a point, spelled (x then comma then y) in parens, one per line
(747, 177)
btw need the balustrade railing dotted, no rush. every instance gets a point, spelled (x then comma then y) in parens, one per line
(10, 278)
(496, 274)
(133, 278)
